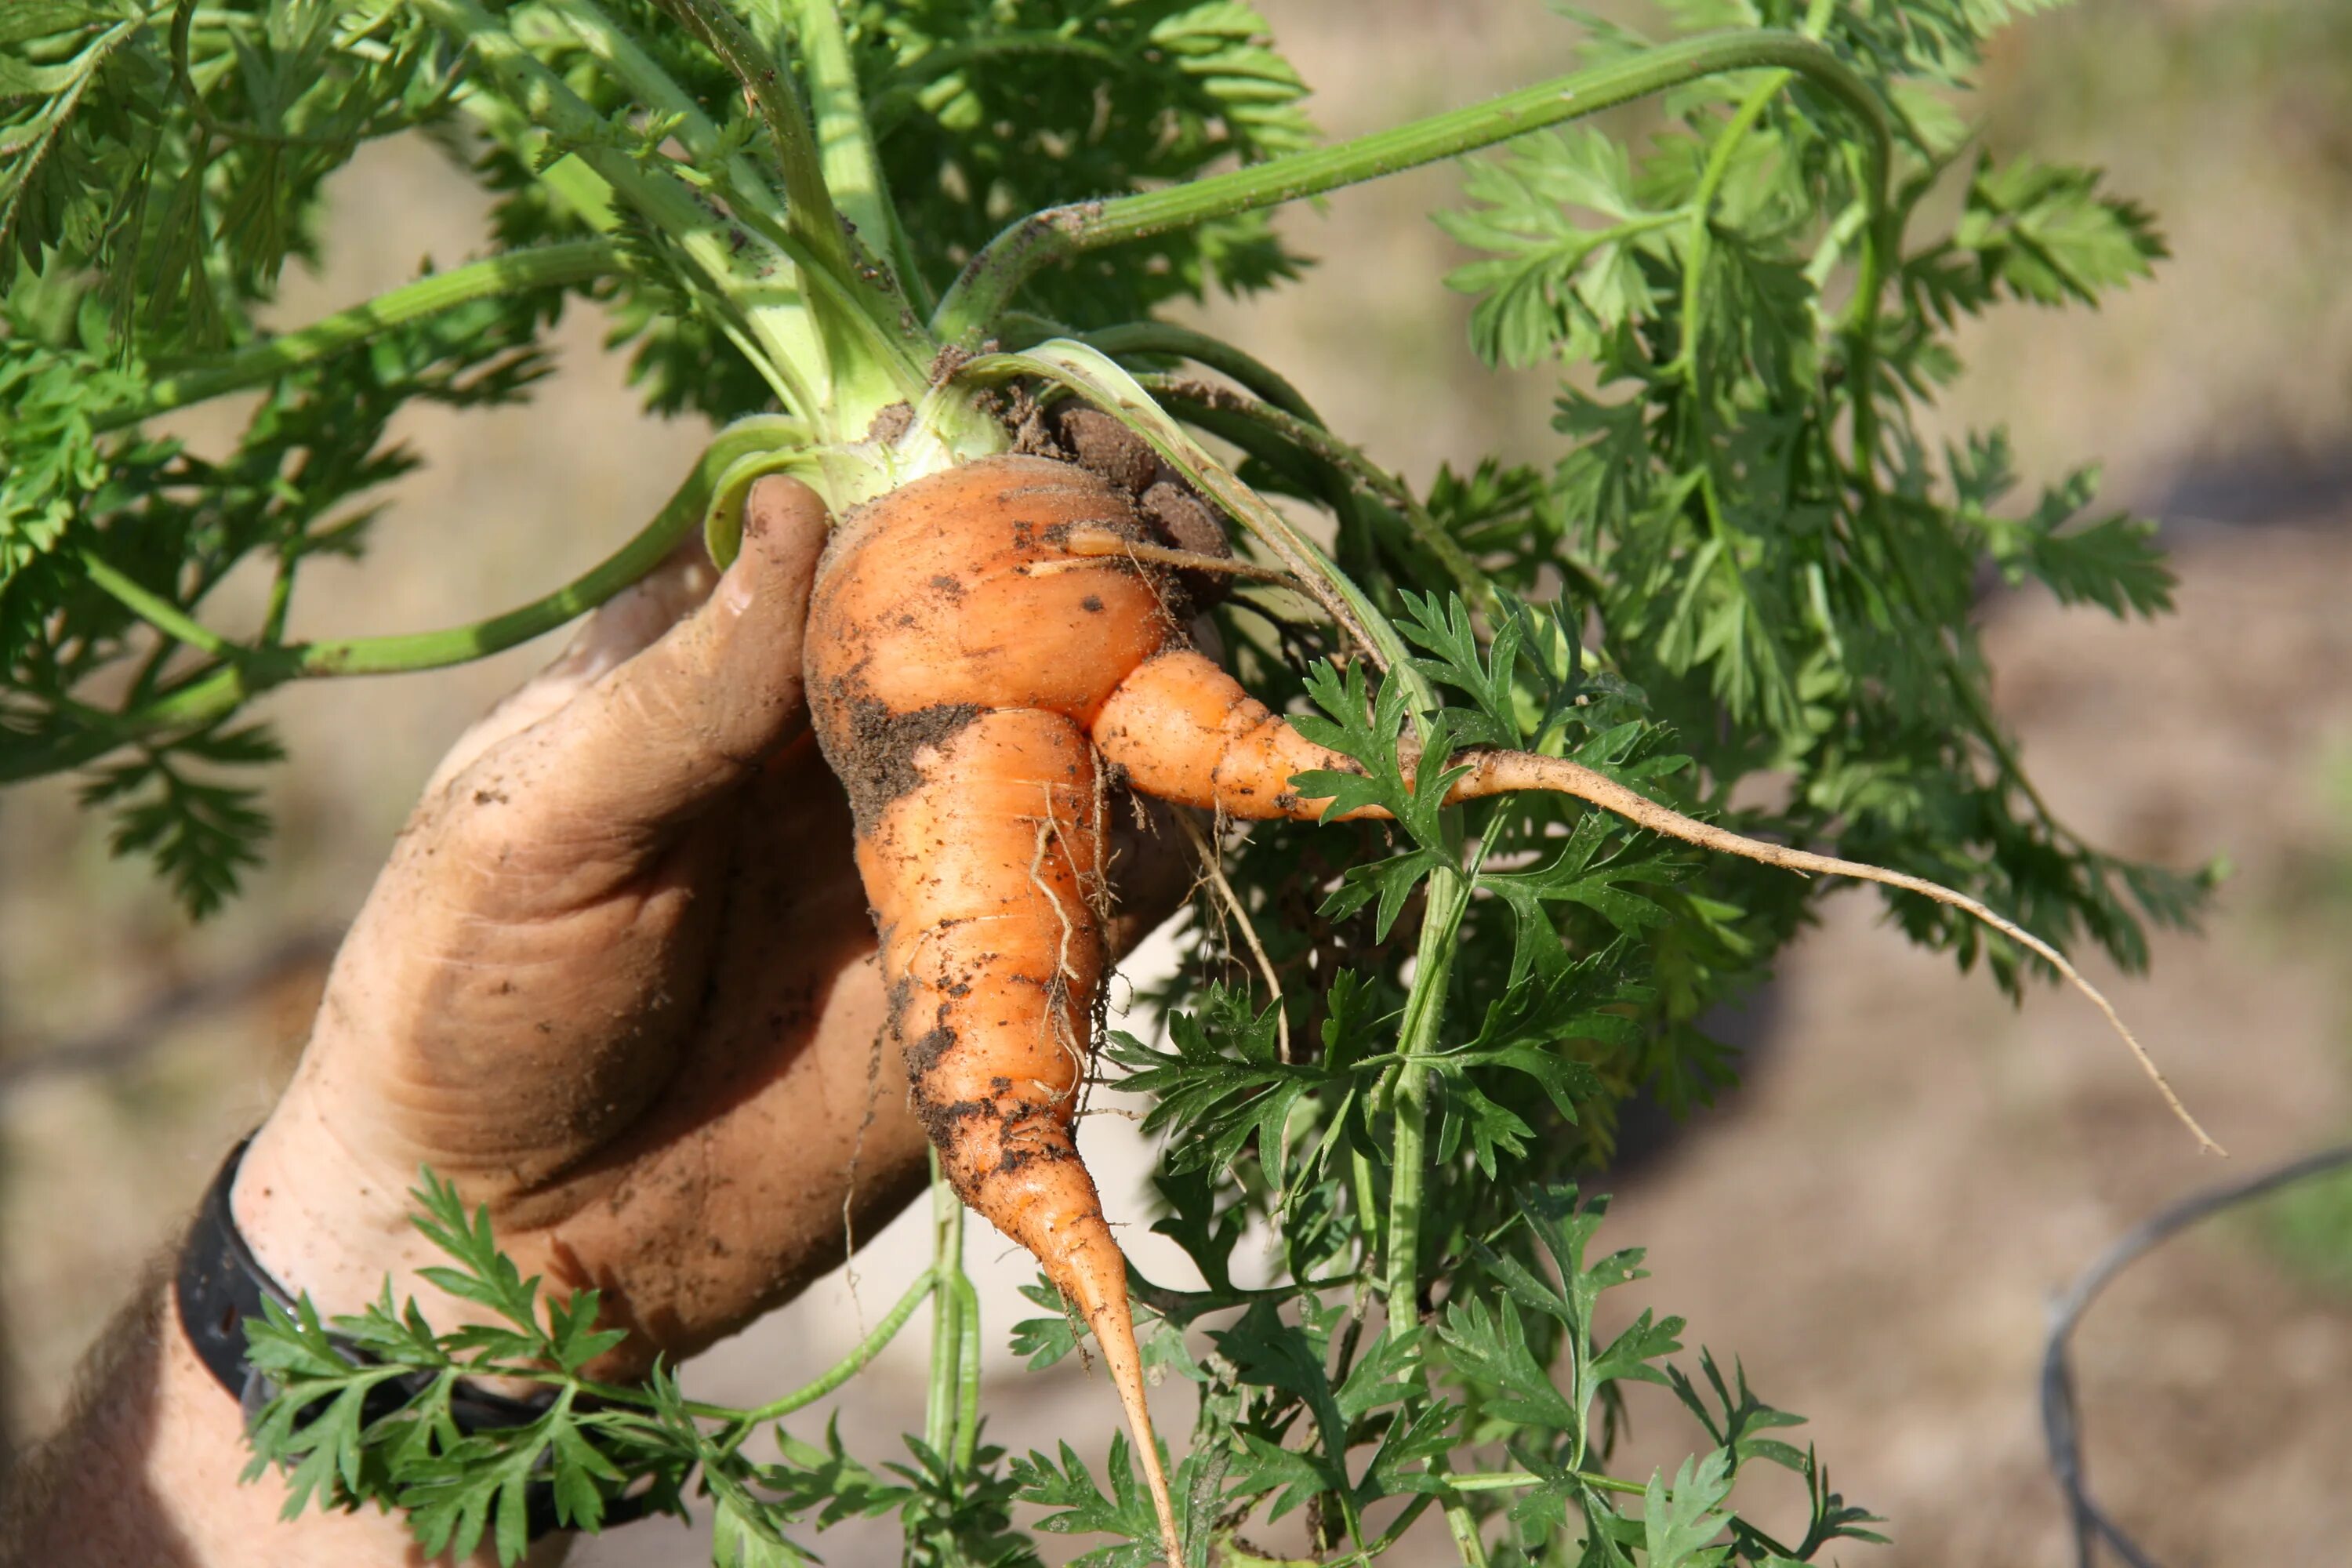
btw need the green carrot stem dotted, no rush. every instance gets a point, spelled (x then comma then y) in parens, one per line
(208, 694)
(995, 275)
(1350, 461)
(849, 1365)
(155, 610)
(942, 1394)
(258, 363)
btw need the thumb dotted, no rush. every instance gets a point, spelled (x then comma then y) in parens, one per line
(676, 726)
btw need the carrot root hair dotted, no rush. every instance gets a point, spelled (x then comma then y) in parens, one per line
(1507, 772)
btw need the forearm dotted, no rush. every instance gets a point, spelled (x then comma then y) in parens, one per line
(144, 1470)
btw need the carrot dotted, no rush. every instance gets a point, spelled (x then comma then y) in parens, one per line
(978, 664)
(953, 692)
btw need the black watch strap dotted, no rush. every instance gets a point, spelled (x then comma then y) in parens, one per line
(221, 1283)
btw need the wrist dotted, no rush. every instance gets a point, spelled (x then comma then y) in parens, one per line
(148, 1466)
(194, 1467)
(332, 1224)
(222, 1286)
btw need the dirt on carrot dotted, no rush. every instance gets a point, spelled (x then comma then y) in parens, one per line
(879, 766)
(1174, 514)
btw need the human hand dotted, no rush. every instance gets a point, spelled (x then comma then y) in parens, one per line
(618, 984)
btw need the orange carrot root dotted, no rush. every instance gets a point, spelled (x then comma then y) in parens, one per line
(978, 642)
(950, 688)
(1096, 1282)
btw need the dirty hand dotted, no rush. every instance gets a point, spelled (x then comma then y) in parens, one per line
(618, 982)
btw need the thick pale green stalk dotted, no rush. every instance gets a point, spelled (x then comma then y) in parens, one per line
(989, 284)
(1417, 1037)
(1463, 1525)
(845, 134)
(615, 48)
(708, 240)
(579, 187)
(844, 142)
(944, 1394)
(870, 357)
(620, 53)
(967, 1422)
(785, 325)
(1021, 330)
(1368, 1214)
(255, 364)
(875, 354)
(808, 205)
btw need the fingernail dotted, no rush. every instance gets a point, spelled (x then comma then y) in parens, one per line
(755, 516)
(735, 589)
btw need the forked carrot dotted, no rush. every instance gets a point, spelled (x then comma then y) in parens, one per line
(952, 694)
(977, 665)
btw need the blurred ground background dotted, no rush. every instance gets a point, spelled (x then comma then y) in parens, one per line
(1876, 1223)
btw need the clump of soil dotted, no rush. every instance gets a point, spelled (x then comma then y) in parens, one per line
(1176, 515)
